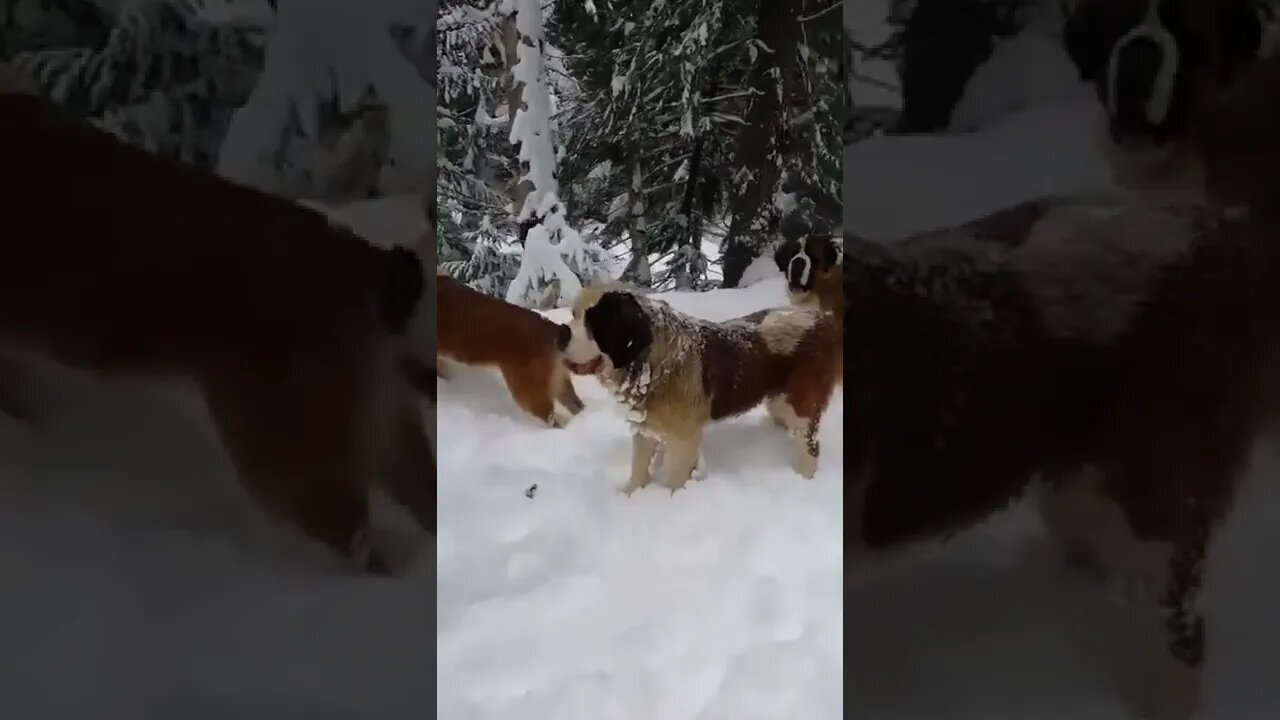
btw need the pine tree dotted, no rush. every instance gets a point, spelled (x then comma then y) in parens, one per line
(550, 243)
(663, 95)
(157, 74)
(476, 159)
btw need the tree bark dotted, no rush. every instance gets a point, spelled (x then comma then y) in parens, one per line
(637, 270)
(759, 141)
(692, 236)
(517, 189)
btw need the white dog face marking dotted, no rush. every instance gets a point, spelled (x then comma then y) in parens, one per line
(800, 267)
(581, 354)
(1152, 30)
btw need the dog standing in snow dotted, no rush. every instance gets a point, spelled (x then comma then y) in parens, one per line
(478, 330)
(677, 374)
(294, 330)
(1125, 351)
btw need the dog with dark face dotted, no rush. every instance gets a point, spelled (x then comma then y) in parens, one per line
(811, 264)
(677, 374)
(482, 331)
(1161, 69)
(294, 330)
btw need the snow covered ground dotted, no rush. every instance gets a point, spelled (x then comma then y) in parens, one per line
(720, 602)
(991, 626)
(140, 581)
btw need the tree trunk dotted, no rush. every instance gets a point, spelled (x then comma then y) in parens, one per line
(759, 141)
(517, 189)
(638, 270)
(943, 43)
(691, 239)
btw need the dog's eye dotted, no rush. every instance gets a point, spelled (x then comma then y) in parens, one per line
(630, 343)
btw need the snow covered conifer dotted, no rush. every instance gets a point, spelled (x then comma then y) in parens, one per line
(549, 238)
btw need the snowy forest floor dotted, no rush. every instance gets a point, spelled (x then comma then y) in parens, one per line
(992, 626)
(141, 582)
(721, 601)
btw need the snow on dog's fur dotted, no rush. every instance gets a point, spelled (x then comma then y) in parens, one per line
(1132, 377)
(677, 374)
(1124, 350)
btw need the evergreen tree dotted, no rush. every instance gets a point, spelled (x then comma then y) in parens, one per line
(157, 74)
(664, 96)
(475, 156)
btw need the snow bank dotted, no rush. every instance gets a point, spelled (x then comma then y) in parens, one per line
(315, 47)
(898, 185)
(140, 581)
(1030, 68)
(393, 220)
(720, 602)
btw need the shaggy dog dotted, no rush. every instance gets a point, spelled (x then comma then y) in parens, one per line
(1125, 351)
(676, 373)
(475, 329)
(293, 330)
(1127, 354)
(814, 274)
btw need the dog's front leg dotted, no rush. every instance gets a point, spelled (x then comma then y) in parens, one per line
(682, 459)
(643, 446)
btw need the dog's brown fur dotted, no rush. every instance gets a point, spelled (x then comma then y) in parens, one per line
(293, 330)
(475, 329)
(823, 284)
(1124, 350)
(677, 374)
(1128, 355)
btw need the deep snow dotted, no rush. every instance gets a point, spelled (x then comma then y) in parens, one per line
(141, 582)
(991, 625)
(719, 602)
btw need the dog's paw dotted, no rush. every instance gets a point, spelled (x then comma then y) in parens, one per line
(632, 486)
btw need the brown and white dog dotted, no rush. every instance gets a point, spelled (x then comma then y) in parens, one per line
(119, 262)
(479, 330)
(815, 277)
(1127, 354)
(677, 374)
(1126, 351)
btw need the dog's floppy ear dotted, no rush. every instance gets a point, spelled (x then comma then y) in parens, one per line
(787, 250)
(619, 326)
(563, 336)
(830, 253)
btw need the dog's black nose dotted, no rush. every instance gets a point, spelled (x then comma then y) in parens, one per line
(563, 335)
